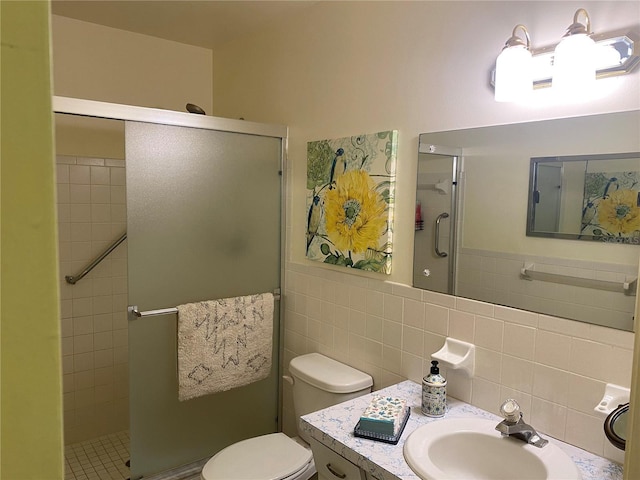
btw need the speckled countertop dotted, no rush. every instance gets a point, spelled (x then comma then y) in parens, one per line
(333, 427)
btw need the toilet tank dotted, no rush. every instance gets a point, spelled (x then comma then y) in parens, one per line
(320, 382)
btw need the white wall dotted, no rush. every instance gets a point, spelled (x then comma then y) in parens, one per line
(101, 63)
(348, 68)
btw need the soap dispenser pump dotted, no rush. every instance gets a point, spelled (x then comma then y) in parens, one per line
(434, 393)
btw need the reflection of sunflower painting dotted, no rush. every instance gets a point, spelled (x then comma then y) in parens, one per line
(619, 212)
(612, 206)
(350, 190)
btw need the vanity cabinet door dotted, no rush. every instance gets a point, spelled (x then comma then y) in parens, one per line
(332, 466)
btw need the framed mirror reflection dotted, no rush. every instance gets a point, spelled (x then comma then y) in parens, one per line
(503, 247)
(585, 197)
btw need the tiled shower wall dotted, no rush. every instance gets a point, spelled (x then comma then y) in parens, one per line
(91, 216)
(556, 369)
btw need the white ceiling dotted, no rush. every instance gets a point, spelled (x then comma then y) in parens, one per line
(204, 23)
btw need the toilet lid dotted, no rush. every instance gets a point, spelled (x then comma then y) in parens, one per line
(268, 457)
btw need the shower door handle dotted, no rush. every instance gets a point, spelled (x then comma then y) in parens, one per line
(437, 239)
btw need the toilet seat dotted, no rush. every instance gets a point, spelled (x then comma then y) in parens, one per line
(268, 457)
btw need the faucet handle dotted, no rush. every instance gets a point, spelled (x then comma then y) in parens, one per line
(510, 410)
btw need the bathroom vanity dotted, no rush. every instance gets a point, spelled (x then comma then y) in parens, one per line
(333, 428)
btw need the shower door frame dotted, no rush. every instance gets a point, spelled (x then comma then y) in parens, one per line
(114, 111)
(455, 216)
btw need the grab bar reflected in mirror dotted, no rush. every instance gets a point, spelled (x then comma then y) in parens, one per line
(437, 240)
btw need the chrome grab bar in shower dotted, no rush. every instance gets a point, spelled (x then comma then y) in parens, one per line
(73, 279)
(437, 239)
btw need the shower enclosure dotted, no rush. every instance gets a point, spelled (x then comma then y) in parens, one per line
(204, 221)
(436, 217)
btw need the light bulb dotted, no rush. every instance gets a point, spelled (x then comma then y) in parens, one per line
(574, 68)
(513, 81)
(514, 69)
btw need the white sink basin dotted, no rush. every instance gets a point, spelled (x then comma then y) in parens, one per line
(471, 448)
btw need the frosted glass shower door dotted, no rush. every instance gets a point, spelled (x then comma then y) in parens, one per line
(434, 239)
(204, 212)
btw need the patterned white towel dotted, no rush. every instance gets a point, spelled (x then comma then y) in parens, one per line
(223, 344)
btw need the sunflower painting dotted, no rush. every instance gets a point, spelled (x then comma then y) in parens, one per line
(350, 197)
(611, 207)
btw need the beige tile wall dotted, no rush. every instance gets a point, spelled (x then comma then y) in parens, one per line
(557, 369)
(495, 277)
(91, 216)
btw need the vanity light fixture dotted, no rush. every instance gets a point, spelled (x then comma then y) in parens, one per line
(612, 54)
(513, 78)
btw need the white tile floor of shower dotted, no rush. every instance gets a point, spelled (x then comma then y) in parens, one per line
(101, 458)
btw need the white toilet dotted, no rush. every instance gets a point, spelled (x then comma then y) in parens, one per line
(318, 382)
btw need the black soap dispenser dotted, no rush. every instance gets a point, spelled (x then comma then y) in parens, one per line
(434, 393)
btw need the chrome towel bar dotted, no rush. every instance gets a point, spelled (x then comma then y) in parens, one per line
(134, 313)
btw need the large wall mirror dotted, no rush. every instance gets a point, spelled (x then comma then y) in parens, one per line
(476, 197)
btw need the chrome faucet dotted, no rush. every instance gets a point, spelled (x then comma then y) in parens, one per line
(513, 425)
